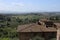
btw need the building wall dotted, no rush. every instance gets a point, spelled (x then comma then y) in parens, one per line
(24, 36)
(58, 34)
(31, 35)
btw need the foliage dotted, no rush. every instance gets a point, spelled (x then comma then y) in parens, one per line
(55, 18)
(9, 24)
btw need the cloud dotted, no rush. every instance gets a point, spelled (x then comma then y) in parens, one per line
(17, 7)
(14, 6)
(17, 4)
(28, 5)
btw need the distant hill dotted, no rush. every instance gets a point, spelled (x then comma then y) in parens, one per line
(33, 13)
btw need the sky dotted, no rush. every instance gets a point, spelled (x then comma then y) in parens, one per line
(29, 5)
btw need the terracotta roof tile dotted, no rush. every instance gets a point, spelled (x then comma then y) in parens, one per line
(35, 28)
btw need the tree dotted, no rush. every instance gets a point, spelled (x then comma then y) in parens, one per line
(19, 20)
(54, 18)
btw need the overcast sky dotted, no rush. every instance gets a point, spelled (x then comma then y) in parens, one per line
(29, 5)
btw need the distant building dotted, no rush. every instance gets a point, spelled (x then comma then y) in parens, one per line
(45, 28)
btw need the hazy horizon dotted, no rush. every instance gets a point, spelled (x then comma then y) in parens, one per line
(19, 6)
